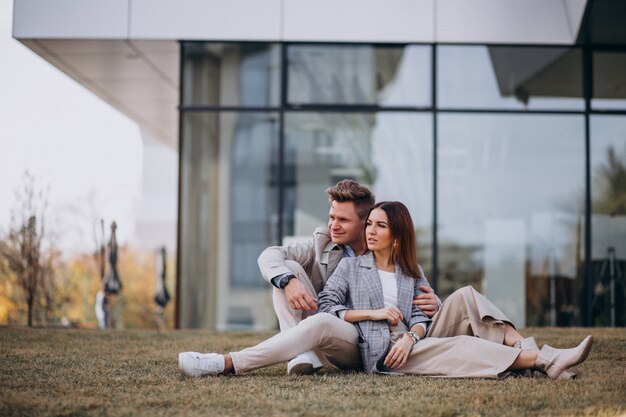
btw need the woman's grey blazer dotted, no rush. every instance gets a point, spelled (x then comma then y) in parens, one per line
(355, 285)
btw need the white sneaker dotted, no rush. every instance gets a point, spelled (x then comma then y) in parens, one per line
(197, 365)
(306, 363)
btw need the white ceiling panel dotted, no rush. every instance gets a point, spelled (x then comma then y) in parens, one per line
(139, 78)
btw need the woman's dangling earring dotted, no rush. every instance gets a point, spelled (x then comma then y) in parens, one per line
(393, 250)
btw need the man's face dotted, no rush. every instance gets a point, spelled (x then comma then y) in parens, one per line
(344, 224)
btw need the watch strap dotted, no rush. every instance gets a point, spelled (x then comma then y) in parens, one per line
(414, 337)
(284, 279)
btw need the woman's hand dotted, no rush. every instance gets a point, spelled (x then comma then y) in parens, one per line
(392, 314)
(399, 352)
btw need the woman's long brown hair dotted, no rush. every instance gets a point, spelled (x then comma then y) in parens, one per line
(402, 230)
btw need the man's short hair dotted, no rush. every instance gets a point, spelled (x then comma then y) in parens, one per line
(349, 190)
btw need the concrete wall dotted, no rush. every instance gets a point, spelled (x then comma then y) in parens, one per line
(482, 21)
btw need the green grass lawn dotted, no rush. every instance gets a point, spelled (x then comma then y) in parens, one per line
(59, 372)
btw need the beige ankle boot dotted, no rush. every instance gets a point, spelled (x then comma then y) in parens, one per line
(529, 343)
(554, 361)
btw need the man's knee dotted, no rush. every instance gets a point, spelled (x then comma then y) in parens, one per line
(296, 268)
(329, 328)
(302, 276)
(321, 321)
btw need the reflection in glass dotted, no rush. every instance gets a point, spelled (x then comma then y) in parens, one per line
(253, 193)
(228, 74)
(359, 74)
(389, 152)
(198, 214)
(235, 153)
(511, 212)
(608, 253)
(609, 80)
(509, 77)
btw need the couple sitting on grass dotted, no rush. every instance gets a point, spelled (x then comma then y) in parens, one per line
(355, 297)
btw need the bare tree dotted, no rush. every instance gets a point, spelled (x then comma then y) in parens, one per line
(22, 247)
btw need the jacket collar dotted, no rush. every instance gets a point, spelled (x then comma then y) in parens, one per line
(331, 251)
(372, 280)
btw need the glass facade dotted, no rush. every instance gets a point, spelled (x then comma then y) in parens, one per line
(498, 230)
(359, 74)
(229, 74)
(496, 77)
(496, 150)
(608, 247)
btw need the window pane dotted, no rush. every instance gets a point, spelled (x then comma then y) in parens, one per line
(253, 193)
(224, 74)
(359, 74)
(511, 219)
(235, 155)
(389, 152)
(509, 77)
(609, 80)
(608, 169)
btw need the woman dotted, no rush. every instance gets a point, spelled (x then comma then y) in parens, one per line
(375, 292)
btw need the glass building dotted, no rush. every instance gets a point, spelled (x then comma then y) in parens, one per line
(511, 156)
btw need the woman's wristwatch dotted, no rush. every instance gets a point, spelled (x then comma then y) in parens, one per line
(414, 337)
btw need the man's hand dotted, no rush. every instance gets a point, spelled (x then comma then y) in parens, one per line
(427, 301)
(392, 314)
(299, 297)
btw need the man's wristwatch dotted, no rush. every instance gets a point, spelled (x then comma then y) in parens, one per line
(284, 280)
(414, 337)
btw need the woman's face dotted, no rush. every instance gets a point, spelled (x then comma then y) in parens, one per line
(377, 231)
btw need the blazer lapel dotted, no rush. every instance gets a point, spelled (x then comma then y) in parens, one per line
(329, 259)
(335, 255)
(327, 253)
(372, 281)
(405, 293)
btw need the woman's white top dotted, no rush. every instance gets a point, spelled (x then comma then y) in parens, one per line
(390, 287)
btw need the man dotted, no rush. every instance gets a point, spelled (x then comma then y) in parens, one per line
(299, 272)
